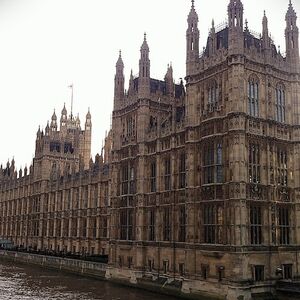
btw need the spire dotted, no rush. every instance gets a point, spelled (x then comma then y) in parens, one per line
(64, 110)
(53, 124)
(47, 129)
(119, 81)
(292, 38)
(88, 115)
(192, 40)
(64, 117)
(131, 84)
(193, 16)
(265, 32)
(144, 70)
(120, 64)
(145, 44)
(169, 81)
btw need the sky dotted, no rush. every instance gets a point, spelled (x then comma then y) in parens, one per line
(46, 45)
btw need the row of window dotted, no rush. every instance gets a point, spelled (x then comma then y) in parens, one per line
(254, 165)
(213, 224)
(253, 99)
(212, 169)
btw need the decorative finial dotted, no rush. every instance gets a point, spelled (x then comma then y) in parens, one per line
(193, 3)
(145, 36)
(213, 23)
(120, 53)
(246, 22)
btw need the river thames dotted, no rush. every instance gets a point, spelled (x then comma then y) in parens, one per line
(20, 281)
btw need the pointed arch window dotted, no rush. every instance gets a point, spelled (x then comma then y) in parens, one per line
(213, 93)
(280, 103)
(253, 97)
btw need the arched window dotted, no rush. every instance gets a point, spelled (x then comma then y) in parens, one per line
(253, 97)
(280, 103)
(213, 94)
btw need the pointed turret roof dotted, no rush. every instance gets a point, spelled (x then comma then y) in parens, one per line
(145, 44)
(193, 14)
(120, 63)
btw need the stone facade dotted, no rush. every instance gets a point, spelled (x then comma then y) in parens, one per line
(60, 203)
(200, 184)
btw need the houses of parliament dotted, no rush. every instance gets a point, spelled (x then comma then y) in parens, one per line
(198, 183)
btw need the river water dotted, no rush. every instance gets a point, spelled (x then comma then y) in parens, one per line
(19, 282)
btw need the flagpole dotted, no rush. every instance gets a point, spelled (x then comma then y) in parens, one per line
(71, 87)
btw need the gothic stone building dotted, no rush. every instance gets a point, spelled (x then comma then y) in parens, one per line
(58, 204)
(201, 183)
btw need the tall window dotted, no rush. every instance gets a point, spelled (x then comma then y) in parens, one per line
(253, 97)
(284, 225)
(212, 163)
(282, 177)
(153, 177)
(182, 224)
(152, 224)
(166, 224)
(124, 180)
(103, 226)
(126, 221)
(132, 181)
(255, 225)
(213, 94)
(280, 104)
(127, 180)
(182, 170)
(212, 221)
(167, 175)
(254, 163)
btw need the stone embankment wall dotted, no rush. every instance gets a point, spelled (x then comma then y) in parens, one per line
(87, 268)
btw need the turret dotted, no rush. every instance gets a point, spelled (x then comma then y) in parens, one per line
(131, 85)
(292, 38)
(192, 40)
(63, 118)
(265, 33)
(212, 40)
(119, 82)
(39, 134)
(144, 71)
(169, 81)
(87, 139)
(235, 23)
(53, 125)
(47, 129)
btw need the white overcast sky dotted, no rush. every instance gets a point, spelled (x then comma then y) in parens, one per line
(45, 45)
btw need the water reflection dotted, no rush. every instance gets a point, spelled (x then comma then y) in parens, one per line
(19, 282)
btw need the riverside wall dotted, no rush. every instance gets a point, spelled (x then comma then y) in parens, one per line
(185, 289)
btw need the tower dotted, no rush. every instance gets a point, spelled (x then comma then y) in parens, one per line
(235, 24)
(63, 119)
(144, 71)
(119, 82)
(292, 38)
(53, 125)
(87, 139)
(192, 40)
